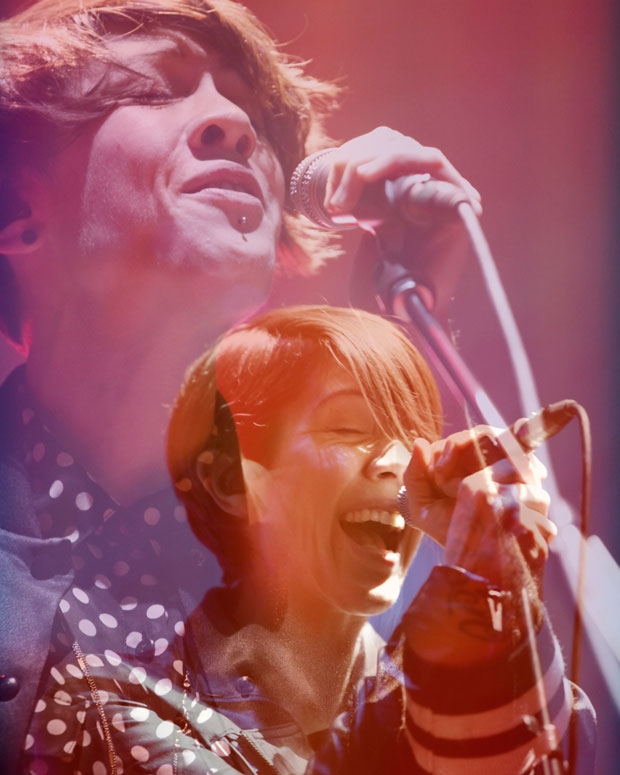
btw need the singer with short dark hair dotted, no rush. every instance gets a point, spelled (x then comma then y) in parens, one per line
(145, 152)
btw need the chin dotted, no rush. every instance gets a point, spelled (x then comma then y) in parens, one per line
(376, 601)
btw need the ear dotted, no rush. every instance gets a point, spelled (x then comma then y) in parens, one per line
(222, 478)
(21, 236)
(21, 205)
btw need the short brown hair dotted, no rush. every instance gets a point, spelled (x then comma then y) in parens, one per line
(47, 46)
(258, 369)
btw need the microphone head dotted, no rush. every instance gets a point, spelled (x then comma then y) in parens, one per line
(307, 189)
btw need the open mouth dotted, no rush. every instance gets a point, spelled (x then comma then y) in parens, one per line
(382, 530)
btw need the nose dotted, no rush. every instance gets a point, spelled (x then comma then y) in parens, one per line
(224, 126)
(389, 460)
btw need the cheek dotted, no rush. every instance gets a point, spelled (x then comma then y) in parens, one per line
(268, 163)
(302, 491)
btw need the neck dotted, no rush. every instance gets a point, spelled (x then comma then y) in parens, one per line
(105, 395)
(301, 657)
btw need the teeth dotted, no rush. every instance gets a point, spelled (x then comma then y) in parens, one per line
(392, 519)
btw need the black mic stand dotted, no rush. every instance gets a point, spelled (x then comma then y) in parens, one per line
(400, 295)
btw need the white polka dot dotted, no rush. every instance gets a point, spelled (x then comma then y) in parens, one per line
(41, 704)
(64, 459)
(152, 516)
(86, 739)
(165, 769)
(93, 660)
(29, 742)
(128, 603)
(184, 485)
(69, 747)
(80, 716)
(87, 627)
(137, 675)
(103, 582)
(165, 729)
(139, 714)
(74, 671)
(80, 595)
(188, 757)
(83, 500)
(163, 686)
(117, 722)
(107, 514)
(103, 696)
(108, 620)
(72, 533)
(120, 568)
(133, 639)
(112, 657)
(139, 753)
(204, 715)
(62, 698)
(155, 611)
(56, 675)
(56, 489)
(178, 666)
(99, 768)
(96, 551)
(179, 628)
(56, 727)
(179, 514)
(38, 451)
(64, 606)
(148, 580)
(161, 644)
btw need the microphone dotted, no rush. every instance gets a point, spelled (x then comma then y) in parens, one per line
(529, 433)
(417, 199)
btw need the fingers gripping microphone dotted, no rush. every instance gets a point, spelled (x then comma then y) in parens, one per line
(530, 433)
(413, 198)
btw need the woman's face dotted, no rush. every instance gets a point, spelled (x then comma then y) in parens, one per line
(326, 500)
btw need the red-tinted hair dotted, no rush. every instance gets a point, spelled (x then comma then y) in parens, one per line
(233, 393)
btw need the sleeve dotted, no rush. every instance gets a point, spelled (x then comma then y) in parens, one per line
(100, 715)
(433, 708)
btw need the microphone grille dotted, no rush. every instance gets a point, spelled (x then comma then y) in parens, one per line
(307, 189)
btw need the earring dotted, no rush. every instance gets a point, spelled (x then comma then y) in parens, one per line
(30, 236)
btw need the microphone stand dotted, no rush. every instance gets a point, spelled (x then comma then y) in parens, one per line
(400, 295)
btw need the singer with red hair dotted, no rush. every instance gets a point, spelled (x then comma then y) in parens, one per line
(288, 445)
(145, 147)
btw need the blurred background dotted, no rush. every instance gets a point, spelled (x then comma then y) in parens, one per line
(523, 96)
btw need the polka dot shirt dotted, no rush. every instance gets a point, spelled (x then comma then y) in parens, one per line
(123, 689)
(139, 572)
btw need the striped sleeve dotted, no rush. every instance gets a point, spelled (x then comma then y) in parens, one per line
(505, 706)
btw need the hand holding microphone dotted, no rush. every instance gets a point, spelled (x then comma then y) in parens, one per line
(377, 177)
(466, 494)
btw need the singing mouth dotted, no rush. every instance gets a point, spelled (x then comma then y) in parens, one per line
(377, 528)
